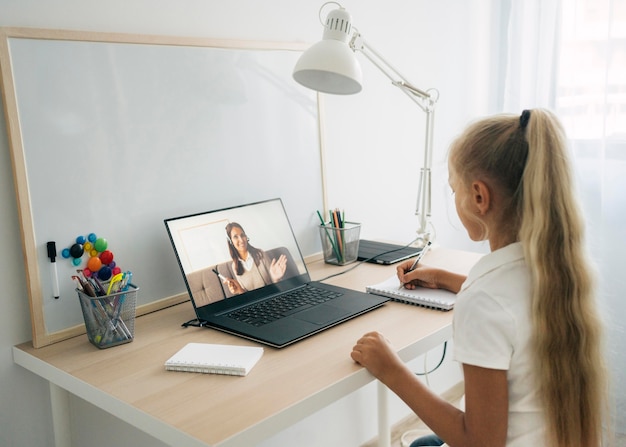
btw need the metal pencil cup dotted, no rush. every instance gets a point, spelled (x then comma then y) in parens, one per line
(110, 319)
(340, 245)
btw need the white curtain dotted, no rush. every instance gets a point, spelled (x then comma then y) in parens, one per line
(570, 56)
(532, 45)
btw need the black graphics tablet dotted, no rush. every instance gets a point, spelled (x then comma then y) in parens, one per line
(385, 253)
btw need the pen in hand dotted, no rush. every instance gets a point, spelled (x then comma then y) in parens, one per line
(417, 260)
(220, 276)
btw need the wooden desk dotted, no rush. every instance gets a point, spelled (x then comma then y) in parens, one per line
(130, 382)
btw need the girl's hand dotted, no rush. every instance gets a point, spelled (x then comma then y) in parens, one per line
(429, 277)
(422, 276)
(374, 352)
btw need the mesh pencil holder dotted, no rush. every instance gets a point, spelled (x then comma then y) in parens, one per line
(110, 319)
(340, 245)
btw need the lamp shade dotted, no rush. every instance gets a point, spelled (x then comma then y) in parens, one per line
(330, 66)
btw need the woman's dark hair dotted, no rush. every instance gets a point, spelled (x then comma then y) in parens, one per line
(257, 254)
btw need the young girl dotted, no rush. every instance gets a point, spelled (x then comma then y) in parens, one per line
(526, 330)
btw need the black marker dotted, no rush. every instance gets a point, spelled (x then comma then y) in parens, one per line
(52, 254)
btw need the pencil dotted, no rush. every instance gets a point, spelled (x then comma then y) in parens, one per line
(332, 243)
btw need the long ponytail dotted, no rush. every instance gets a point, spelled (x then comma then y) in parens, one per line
(526, 159)
(568, 334)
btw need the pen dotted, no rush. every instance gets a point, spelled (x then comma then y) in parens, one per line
(87, 287)
(117, 279)
(417, 260)
(76, 280)
(220, 276)
(128, 277)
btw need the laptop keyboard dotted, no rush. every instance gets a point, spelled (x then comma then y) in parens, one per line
(283, 305)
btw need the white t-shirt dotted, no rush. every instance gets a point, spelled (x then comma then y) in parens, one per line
(492, 329)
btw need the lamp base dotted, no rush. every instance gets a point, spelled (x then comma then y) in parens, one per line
(424, 236)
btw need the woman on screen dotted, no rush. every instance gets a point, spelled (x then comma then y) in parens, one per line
(252, 267)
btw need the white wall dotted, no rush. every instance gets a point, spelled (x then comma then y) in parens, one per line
(373, 146)
(375, 140)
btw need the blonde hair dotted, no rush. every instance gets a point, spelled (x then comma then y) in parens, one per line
(526, 158)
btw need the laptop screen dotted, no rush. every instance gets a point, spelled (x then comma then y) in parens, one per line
(234, 251)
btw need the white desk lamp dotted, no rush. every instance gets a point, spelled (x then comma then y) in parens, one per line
(330, 66)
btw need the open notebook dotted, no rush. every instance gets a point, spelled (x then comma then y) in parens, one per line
(434, 298)
(245, 275)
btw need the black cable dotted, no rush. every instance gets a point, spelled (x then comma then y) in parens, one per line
(443, 356)
(195, 323)
(445, 344)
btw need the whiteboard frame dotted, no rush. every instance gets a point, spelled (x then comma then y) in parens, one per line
(41, 336)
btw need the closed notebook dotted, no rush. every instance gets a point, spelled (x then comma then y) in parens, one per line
(434, 298)
(215, 359)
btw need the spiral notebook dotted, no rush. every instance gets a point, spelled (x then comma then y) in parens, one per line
(215, 359)
(434, 298)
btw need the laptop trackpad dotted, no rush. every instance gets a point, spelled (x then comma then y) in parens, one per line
(321, 314)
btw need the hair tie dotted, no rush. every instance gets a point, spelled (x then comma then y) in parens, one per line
(523, 120)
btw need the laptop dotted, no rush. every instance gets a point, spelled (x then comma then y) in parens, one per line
(385, 253)
(246, 276)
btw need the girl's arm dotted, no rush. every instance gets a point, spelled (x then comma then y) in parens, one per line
(429, 277)
(485, 420)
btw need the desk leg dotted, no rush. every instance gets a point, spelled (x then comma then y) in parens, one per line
(384, 429)
(60, 403)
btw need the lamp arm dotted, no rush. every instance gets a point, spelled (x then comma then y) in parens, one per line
(426, 101)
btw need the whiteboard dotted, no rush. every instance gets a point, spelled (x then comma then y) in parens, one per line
(111, 134)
